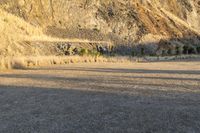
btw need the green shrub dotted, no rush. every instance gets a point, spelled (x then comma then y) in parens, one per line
(133, 53)
(94, 53)
(83, 52)
(86, 52)
(198, 50)
(142, 51)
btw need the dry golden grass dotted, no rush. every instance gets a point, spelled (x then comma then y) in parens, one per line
(19, 29)
(15, 27)
(5, 63)
(25, 62)
(14, 31)
(30, 61)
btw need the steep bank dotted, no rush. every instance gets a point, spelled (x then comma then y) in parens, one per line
(125, 23)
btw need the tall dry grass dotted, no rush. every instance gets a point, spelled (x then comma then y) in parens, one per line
(26, 62)
(14, 31)
(16, 26)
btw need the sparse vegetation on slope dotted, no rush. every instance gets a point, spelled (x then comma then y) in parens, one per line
(112, 27)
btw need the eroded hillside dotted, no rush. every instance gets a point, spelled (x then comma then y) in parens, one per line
(125, 23)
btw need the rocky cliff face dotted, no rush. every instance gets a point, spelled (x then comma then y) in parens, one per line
(125, 22)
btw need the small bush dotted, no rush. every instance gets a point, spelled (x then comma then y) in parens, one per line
(198, 50)
(142, 51)
(94, 53)
(86, 52)
(83, 52)
(133, 53)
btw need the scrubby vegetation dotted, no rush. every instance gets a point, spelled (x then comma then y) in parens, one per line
(97, 29)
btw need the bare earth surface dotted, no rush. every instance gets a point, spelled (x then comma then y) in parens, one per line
(92, 98)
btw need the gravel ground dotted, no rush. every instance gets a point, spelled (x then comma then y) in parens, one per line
(105, 98)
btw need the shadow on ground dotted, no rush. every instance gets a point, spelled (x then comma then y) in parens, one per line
(32, 109)
(102, 108)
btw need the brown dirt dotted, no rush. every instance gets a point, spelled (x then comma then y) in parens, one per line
(106, 97)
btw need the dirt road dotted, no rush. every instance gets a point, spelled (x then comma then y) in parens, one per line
(83, 98)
